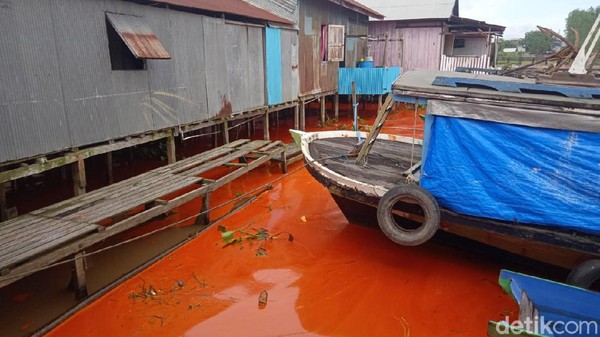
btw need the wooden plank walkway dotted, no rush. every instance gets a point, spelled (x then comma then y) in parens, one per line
(42, 237)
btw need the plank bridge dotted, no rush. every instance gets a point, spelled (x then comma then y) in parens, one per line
(45, 236)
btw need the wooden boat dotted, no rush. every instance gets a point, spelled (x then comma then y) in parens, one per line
(547, 308)
(395, 166)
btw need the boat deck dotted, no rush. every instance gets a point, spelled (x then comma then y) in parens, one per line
(40, 238)
(386, 165)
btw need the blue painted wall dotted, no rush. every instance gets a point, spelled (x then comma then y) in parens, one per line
(369, 81)
(274, 75)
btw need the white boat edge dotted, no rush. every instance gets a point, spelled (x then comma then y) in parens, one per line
(305, 138)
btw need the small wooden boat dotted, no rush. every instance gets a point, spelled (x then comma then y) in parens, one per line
(547, 308)
(461, 178)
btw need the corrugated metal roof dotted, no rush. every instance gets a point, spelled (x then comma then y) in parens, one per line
(359, 7)
(138, 37)
(283, 8)
(236, 7)
(414, 9)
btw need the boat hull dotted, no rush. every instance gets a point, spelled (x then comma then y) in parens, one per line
(358, 202)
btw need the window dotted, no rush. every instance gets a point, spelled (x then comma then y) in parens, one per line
(459, 43)
(332, 43)
(131, 42)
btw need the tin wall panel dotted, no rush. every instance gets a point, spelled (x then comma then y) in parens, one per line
(255, 79)
(178, 86)
(32, 115)
(369, 81)
(274, 66)
(217, 89)
(289, 65)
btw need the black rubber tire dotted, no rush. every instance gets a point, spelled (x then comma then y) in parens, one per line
(585, 274)
(398, 234)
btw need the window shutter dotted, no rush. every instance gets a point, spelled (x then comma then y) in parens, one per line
(335, 43)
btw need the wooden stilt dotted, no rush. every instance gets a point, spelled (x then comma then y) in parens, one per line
(283, 162)
(253, 126)
(379, 102)
(277, 118)
(302, 116)
(336, 105)
(109, 167)
(171, 149)
(248, 126)
(266, 125)
(3, 207)
(78, 283)
(323, 110)
(215, 135)
(225, 127)
(79, 179)
(203, 218)
(296, 117)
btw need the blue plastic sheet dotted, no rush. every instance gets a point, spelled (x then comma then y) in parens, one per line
(514, 173)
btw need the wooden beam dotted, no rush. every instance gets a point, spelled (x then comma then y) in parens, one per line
(74, 156)
(336, 105)
(3, 208)
(225, 127)
(266, 125)
(109, 168)
(203, 218)
(379, 102)
(323, 110)
(215, 137)
(296, 117)
(78, 283)
(171, 155)
(79, 178)
(302, 116)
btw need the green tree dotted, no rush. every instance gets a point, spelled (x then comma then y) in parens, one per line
(508, 44)
(537, 42)
(581, 20)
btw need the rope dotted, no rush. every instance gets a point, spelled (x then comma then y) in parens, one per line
(265, 187)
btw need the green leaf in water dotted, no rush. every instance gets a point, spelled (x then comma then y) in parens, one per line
(228, 237)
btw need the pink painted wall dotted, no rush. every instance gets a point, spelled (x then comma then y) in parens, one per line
(409, 48)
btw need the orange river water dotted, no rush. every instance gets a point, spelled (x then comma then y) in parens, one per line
(334, 279)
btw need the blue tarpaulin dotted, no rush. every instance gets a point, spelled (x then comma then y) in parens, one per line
(514, 172)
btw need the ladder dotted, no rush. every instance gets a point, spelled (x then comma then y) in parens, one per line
(382, 114)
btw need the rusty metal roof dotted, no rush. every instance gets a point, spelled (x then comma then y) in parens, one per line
(138, 37)
(358, 7)
(236, 7)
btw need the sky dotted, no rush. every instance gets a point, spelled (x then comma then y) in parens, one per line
(521, 16)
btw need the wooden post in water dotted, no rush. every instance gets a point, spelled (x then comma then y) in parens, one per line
(266, 125)
(248, 126)
(323, 110)
(203, 218)
(109, 167)
(379, 102)
(215, 135)
(302, 116)
(79, 179)
(3, 214)
(171, 158)
(225, 127)
(296, 117)
(336, 105)
(78, 283)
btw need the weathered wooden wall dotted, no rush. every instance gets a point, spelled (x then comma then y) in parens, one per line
(315, 75)
(410, 47)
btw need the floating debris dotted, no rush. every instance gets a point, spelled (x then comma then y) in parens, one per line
(262, 299)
